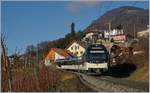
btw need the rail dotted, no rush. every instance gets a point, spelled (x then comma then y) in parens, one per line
(104, 84)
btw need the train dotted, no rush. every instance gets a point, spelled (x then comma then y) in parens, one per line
(95, 59)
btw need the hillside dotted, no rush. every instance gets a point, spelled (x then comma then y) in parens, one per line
(126, 16)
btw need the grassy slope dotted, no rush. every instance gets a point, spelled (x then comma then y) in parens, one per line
(71, 83)
(140, 74)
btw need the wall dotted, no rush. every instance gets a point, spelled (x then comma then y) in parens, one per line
(143, 33)
(113, 32)
(75, 45)
(58, 56)
(50, 56)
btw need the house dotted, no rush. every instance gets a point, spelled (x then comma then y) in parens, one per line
(144, 33)
(77, 48)
(93, 35)
(122, 38)
(113, 33)
(57, 53)
(118, 30)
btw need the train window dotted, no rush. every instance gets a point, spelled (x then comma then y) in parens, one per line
(81, 52)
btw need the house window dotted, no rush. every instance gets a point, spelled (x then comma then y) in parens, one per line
(75, 47)
(81, 52)
(71, 48)
(78, 47)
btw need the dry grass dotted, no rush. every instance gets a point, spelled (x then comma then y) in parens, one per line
(71, 83)
(45, 79)
(140, 74)
(141, 61)
(67, 76)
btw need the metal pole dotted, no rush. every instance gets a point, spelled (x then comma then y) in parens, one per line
(134, 30)
(37, 56)
(109, 36)
(36, 70)
(109, 29)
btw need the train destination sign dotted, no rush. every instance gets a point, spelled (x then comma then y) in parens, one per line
(97, 52)
(96, 48)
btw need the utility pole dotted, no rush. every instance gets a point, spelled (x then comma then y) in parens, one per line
(109, 24)
(36, 69)
(134, 30)
(37, 56)
(109, 29)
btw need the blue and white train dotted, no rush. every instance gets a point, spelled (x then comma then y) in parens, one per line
(95, 59)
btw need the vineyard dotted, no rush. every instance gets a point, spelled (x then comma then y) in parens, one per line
(36, 77)
(16, 77)
(44, 80)
(30, 79)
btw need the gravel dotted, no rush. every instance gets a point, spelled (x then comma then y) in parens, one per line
(105, 84)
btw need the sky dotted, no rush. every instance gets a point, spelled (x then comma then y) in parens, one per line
(31, 22)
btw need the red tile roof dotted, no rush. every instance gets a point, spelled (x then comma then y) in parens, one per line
(62, 52)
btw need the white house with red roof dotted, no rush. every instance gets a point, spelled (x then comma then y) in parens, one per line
(57, 53)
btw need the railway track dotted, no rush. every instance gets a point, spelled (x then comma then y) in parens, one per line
(122, 81)
(110, 84)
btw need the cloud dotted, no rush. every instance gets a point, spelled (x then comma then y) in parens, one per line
(76, 6)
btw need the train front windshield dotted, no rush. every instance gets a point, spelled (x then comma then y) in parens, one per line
(98, 54)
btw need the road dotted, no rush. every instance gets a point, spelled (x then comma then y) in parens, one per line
(111, 84)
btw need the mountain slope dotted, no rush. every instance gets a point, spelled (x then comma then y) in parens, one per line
(126, 16)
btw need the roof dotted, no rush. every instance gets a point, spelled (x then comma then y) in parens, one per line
(62, 52)
(127, 35)
(78, 42)
(92, 31)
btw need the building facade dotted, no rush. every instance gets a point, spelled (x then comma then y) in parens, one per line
(92, 36)
(55, 54)
(144, 33)
(113, 32)
(77, 48)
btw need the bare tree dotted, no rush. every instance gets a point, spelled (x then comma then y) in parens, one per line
(6, 69)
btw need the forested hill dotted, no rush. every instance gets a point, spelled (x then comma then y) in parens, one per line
(126, 16)
(45, 46)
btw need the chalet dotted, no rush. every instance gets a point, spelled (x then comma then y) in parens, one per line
(57, 53)
(77, 48)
